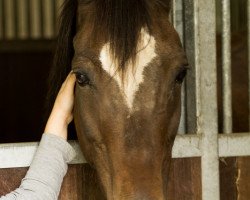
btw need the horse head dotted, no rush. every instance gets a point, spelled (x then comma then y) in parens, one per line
(129, 64)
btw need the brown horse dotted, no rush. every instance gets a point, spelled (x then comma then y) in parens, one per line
(129, 64)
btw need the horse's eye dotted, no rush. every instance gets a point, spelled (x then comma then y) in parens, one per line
(181, 75)
(82, 79)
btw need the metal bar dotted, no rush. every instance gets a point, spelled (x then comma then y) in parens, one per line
(207, 125)
(17, 155)
(22, 9)
(191, 79)
(177, 17)
(21, 154)
(48, 25)
(226, 67)
(16, 18)
(234, 145)
(35, 19)
(182, 125)
(248, 15)
(9, 19)
(1, 20)
(185, 146)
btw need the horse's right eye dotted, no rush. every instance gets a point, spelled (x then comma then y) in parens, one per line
(82, 79)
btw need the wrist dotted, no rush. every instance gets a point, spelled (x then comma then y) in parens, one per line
(57, 126)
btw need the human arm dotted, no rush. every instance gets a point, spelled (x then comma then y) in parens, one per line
(45, 175)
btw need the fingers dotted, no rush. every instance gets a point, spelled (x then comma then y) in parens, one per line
(61, 114)
(71, 79)
(69, 83)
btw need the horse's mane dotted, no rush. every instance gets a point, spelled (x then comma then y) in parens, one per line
(120, 20)
(123, 20)
(64, 51)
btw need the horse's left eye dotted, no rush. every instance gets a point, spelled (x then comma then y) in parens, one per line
(82, 79)
(180, 76)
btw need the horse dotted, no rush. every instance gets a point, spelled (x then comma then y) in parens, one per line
(129, 65)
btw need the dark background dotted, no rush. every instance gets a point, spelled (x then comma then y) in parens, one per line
(23, 84)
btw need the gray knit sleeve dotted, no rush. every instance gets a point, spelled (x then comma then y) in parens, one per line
(45, 175)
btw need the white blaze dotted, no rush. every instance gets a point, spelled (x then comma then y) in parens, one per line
(146, 53)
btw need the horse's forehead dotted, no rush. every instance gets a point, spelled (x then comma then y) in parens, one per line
(134, 74)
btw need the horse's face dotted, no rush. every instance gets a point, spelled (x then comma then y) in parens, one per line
(126, 121)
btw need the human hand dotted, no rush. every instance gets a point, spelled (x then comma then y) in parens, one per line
(62, 112)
